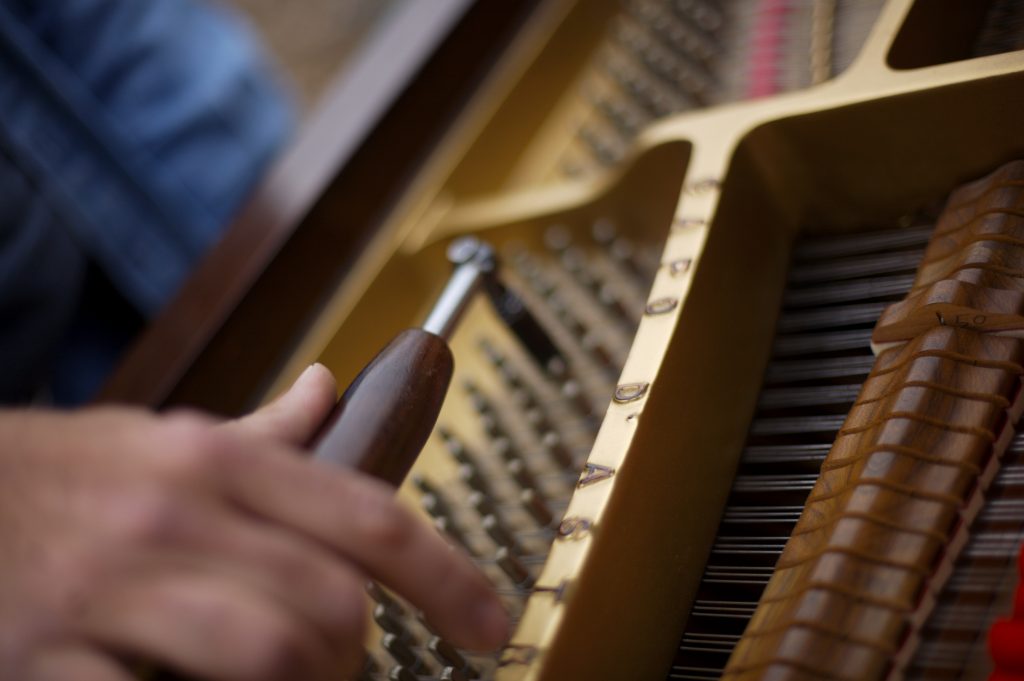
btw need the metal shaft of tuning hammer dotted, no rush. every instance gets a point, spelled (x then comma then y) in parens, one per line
(475, 265)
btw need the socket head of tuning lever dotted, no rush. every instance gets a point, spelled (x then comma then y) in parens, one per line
(476, 267)
(469, 249)
(474, 262)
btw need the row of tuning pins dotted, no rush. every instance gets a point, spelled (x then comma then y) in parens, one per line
(536, 435)
(592, 295)
(518, 490)
(419, 654)
(541, 436)
(659, 60)
(505, 522)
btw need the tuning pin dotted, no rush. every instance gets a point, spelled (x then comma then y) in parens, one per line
(567, 318)
(479, 402)
(536, 507)
(521, 473)
(473, 478)
(431, 499)
(387, 620)
(459, 452)
(503, 447)
(576, 264)
(521, 393)
(425, 486)
(554, 447)
(447, 527)
(573, 393)
(557, 238)
(526, 265)
(492, 425)
(635, 41)
(492, 353)
(500, 534)
(450, 658)
(593, 345)
(523, 400)
(603, 231)
(488, 416)
(636, 261)
(382, 597)
(489, 422)
(482, 503)
(600, 145)
(505, 369)
(435, 506)
(401, 674)
(469, 471)
(626, 119)
(679, 32)
(652, 97)
(556, 369)
(534, 416)
(513, 568)
(707, 15)
(403, 654)
(544, 287)
(614, 304)
(547, 289)
(531, 271)
(452, 674)
(620, 250)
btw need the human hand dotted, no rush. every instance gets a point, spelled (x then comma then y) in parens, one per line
(212, 549)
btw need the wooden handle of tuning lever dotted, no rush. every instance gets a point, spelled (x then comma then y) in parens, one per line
(385, 416)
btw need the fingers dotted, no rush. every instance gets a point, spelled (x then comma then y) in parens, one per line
(74, 662)
(358, 517)
(291, 570)
(349, 517)
(295, 416)
(213, 629)
(295, 575)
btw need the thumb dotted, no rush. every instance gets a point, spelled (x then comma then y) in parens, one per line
(294, 416)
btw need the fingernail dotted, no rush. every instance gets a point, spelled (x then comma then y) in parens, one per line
(312, 368)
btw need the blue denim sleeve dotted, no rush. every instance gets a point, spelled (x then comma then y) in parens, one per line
(136, 128)
(41, 269)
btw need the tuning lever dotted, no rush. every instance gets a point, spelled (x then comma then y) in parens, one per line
(383, 419)
(385, 416)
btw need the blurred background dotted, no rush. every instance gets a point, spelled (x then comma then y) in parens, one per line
(311, 39)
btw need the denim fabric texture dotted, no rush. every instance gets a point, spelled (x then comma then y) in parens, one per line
(130, 133)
